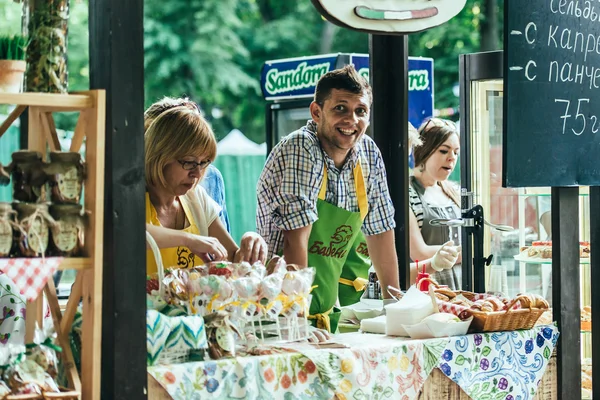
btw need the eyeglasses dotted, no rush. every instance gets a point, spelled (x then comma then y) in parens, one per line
(192, 165)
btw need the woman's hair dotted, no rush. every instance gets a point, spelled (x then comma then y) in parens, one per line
(166, 103)
(174, 134)
(413, 136)
(433, 133)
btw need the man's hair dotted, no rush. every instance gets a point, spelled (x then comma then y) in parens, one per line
(164, 104)
(342, 79)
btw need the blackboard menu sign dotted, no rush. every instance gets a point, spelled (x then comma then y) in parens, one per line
(551, 93)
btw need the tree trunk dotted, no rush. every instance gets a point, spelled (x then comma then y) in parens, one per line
(489, 26)
(327, 35)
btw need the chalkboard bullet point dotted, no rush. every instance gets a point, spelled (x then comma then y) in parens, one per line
(516, 32)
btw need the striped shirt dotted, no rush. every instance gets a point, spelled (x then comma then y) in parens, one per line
(288, 187)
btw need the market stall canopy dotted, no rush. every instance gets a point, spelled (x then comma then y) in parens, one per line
(235, 143)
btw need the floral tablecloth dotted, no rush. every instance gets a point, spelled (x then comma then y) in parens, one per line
(505, 365)
(501, 365)
(382, 368)
(12, 312)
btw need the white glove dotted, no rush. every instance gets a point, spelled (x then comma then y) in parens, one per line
(445, 257)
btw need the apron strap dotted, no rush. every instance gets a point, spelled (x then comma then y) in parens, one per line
(359, 283)
(323, 321)
(361, 192)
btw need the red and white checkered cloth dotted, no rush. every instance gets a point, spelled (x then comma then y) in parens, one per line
(30, 274)
(456, 309)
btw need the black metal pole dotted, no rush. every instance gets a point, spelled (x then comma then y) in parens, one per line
(595, 279)
(117, 65)
(565, 289)
(388, 63)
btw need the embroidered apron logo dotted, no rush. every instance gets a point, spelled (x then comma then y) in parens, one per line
(363, 249)
(337, 246)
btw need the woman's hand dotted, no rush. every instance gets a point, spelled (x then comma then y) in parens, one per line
(446, 256)
(253, 248)
(206, 247)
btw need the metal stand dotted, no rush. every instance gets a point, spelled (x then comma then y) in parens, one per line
(473, 225)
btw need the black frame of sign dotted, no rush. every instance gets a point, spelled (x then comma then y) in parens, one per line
(565, 233)
(472, 67)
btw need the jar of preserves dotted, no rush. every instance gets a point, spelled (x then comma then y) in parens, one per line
(65, 174)
(7, 221)
(68, 230)
(28, 176)
(32, 235)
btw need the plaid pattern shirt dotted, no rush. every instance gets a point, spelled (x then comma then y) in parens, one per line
(288, 187)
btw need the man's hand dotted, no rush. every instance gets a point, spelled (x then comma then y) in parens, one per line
(316, 335)
(445, 257)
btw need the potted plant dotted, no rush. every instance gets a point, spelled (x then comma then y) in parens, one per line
(12, 63)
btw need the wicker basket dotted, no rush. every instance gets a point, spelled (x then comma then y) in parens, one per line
(505, 320)
(179, 353)
(510, 319)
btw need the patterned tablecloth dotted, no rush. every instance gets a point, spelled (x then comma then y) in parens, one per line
(506, 365)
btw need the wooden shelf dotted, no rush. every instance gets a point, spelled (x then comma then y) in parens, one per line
(77, 263)
(57, 102)
(87, 289)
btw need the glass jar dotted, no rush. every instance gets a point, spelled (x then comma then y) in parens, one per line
(67, 233)
(7, 221)
(32, 237)
(65, 175)
(45, 23)
(28, 176)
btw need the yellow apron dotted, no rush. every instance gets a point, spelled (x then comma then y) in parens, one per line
(172, 257)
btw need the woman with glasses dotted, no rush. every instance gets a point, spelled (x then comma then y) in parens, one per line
(432, 196)
(181, 217)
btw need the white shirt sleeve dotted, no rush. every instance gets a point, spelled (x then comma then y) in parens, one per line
(204, 209)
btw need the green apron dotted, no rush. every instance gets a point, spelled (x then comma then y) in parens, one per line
(329, 243)
(355, 274)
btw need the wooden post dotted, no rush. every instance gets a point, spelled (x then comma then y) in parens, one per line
(565, 289)
(388, 63)
(117, 65)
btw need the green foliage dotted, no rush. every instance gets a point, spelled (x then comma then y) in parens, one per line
(12, 47)
(213, 51)
(193, 49)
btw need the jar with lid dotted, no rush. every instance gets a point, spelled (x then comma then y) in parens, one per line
(65, 174)
(28, 176)
(67, 233)
(7, 221)
(32, 236)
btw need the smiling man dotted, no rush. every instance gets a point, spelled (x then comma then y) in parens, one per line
(323, 199)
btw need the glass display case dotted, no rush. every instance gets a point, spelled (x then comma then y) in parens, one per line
(513, 267)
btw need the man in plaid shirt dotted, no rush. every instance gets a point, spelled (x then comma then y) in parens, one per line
(323, 199)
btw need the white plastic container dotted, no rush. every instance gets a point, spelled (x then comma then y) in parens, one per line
(410, 310)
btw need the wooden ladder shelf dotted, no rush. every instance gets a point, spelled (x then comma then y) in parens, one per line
(87, 288)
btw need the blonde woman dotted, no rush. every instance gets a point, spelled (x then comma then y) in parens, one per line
(182, 218)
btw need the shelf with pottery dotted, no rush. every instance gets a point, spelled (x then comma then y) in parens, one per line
(87, 289)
